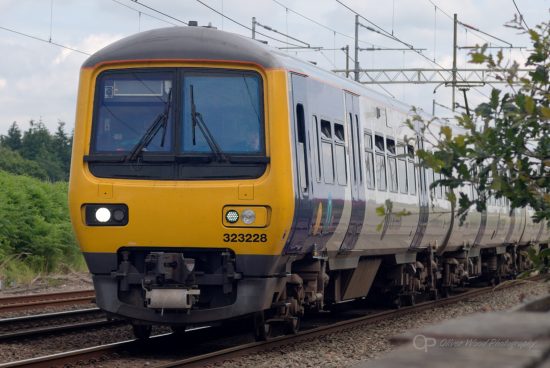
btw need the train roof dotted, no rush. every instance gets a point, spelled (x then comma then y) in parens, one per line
(201, 43)
(206, 43)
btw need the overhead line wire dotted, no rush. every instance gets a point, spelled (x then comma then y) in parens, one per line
(468, 26)
(139, 11)
(412, 48)
(485, 33)
(520, 14)
(44, 40)
(281, 33)
(160, 12)
(242, 25)
(320, 24)
(388, 34)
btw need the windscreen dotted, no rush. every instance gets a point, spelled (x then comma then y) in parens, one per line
(229, 105)
(127, 105)
(178, 124)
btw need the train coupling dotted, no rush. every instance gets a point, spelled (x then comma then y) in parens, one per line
(170, 281)
(171, 298)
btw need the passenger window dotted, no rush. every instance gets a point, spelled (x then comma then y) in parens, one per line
(410, 151)
(339, 132)
(381, 171)
(392, 168)
(402, 171)
(369, 161)
(302, 148)
(380, 162)
(392, 164)
(318, 146)
(353, 148)
(326, 129)
(327, 151)
(429, 180)
(411, 177)
(341, 167)
(357, 130)
(439, 188)
(328, 162)
(379, 143)
(368, 141)
(390, 145)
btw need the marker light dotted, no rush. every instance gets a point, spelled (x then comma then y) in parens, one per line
(232, 216)
(118, 215)
(102, 214)
(248, 217)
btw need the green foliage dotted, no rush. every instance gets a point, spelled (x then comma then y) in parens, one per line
(11, 161)
(503, 148)
(35, 228)
(36, 152)
(541, 259)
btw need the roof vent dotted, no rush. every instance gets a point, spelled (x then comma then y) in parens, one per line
(193, 23)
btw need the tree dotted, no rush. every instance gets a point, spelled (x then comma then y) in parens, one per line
(503, 148)
(49, 154)
(13, 139)
(62, 147)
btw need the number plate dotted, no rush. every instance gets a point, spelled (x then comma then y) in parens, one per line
(244, 238)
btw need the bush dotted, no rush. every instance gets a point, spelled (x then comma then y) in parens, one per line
(13, 162)
(35, 228)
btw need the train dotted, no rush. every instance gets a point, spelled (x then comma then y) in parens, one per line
(214, 177)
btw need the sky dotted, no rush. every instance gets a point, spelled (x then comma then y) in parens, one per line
(39, 80)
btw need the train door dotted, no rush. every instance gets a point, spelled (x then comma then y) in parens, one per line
(302, 213)
(356, 173)
(423, 201)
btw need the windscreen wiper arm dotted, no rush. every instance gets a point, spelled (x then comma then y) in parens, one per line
(198, 120)
(161, 121)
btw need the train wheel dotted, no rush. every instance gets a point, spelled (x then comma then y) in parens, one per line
(496, 280)
(408, 300)
(292, 326)
(396, 302)
(142, 332)
(262, 330)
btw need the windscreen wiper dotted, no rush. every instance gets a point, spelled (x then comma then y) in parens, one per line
(161, 121)
(198, 120)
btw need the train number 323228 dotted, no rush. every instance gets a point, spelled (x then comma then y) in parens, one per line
(245, 238)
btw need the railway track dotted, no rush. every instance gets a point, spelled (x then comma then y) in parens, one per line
(218, 355)
(25, 302)
(256, 347)
(50, 323)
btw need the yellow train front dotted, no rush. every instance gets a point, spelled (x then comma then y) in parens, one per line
(181, 192)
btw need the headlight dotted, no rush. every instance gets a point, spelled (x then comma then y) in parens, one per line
(232, 216)
(102, 214)
(248, 217)
(106, 214)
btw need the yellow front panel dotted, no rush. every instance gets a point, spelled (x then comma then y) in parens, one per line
(186, 213)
